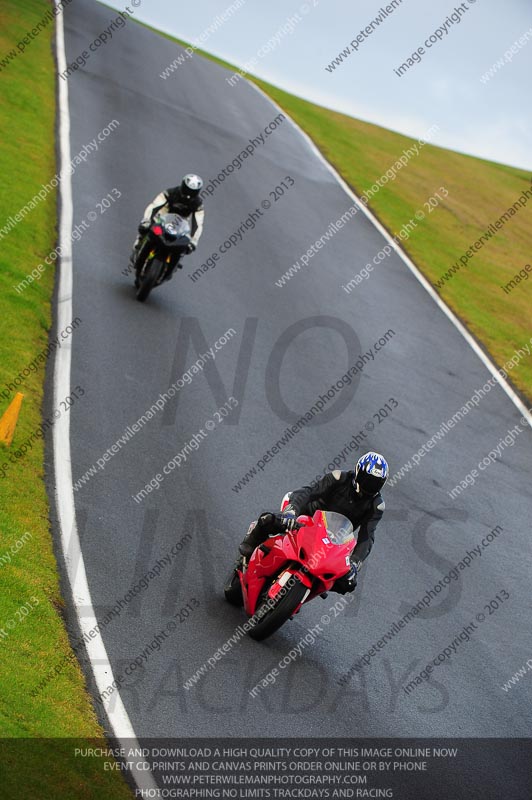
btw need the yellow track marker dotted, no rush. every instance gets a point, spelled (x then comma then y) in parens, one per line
(8, 423)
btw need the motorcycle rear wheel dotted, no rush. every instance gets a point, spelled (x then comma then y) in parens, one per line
(280, 613)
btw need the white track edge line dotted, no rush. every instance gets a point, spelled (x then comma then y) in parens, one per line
(514, 397)
(71, 547)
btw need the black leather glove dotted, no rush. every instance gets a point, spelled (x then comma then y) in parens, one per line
(191, 247)
(347, 583)
(144, 225)
(289, 522)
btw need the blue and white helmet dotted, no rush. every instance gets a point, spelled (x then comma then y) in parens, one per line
(371, 473)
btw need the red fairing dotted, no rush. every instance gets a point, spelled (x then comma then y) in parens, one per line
(157, 230)
(309, 553)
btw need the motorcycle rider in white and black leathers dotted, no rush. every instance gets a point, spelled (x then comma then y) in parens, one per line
(184, 200)
(354, 493)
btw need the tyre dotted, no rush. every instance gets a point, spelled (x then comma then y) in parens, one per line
(150, 278)
(282, 610)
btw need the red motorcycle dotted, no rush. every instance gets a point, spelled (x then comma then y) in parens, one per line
(290, 569)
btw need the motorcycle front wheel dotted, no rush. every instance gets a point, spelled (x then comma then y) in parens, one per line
(281, 611)
(152, 273)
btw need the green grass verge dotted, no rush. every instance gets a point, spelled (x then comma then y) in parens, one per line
(480, 192)
(39, 639)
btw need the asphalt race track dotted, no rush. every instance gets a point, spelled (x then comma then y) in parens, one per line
(290, 345)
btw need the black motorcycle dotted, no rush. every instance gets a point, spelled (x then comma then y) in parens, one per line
(166, 240)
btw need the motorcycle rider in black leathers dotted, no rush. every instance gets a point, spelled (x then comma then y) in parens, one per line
(354, 493)
(183, 200)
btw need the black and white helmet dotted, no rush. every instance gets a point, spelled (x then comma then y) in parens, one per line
(191, 186)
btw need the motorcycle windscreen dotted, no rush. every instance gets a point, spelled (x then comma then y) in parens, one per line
(339, 528)
(175, 225)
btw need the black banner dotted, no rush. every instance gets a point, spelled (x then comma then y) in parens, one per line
(403, 769)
